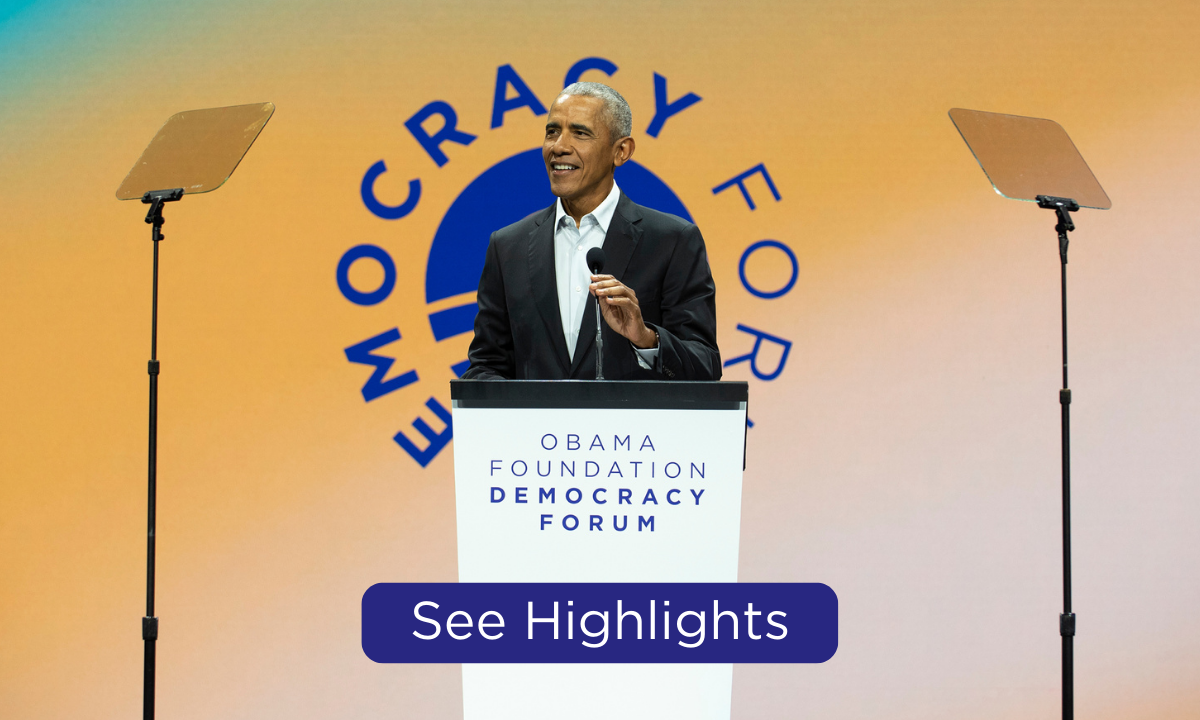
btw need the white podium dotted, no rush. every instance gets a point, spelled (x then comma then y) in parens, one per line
(609, 481)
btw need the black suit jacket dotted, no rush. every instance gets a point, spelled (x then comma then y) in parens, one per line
(518, 331)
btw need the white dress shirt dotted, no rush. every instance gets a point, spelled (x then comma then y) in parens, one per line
(571, 245)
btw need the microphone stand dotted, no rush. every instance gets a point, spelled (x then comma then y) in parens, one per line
(595, 262)
(599, 343)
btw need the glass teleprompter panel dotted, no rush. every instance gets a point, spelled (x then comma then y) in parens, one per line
(196, 150)
(1024, 157)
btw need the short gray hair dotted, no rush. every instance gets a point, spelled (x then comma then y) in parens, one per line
(616, 110)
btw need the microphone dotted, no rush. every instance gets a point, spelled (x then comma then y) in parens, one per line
(595, 263)
(595, 260)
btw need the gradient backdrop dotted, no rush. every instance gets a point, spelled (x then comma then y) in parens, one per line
(906, 454)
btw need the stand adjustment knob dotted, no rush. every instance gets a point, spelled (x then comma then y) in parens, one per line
(1064, 396)
(1066, 624)
(152, 367)
(149, 628)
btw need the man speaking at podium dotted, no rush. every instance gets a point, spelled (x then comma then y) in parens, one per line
(537, 297)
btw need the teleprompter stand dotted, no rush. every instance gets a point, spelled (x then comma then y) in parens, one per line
(194, 152)
(1063, 208)
(1026, 159)
(150, 623)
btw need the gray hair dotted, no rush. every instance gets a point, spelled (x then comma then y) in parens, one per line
(616, 110)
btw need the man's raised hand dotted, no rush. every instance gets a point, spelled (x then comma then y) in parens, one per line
(619, 306)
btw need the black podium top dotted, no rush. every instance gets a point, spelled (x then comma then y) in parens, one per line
(603, 394)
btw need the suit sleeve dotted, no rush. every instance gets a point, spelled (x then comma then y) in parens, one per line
(491, 352)
(687, 338)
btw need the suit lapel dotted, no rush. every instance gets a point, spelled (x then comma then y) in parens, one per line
(624, 233)
(620, 241)
(543, 279)
(586, 343)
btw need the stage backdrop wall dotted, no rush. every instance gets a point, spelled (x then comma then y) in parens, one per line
(904, 395)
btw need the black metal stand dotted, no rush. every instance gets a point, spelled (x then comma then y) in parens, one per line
(595, 262)
(150, 623)
(1063, 208)
(599, 342)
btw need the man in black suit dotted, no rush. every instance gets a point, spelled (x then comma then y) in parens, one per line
(657, 299)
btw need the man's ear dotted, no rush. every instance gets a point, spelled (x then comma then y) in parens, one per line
(622, 151)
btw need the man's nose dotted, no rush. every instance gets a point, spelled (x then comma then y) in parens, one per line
(562, 145)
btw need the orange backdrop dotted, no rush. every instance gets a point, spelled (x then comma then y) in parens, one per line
(906, 454)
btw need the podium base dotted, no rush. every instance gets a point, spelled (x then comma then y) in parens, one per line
(600, 692)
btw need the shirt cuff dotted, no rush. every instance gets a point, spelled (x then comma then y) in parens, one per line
(647, 358)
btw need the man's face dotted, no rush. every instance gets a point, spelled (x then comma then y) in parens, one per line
(580, 154)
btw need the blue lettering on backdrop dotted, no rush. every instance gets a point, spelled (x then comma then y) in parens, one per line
(768, 294)
(376, 386)
(752, 356)
(507, 77)
(449, 131)
(379, 255)
(786, 345)
(607, 67)
(739, 180)
(387, 212)
(504, 193)
(437, 441)
(664, 109)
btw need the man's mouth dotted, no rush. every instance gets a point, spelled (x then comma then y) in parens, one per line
(562, 168)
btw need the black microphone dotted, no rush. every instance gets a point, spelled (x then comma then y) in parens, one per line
(595, 263)
(595, 260)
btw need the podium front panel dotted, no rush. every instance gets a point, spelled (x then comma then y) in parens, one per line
(583, 481)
